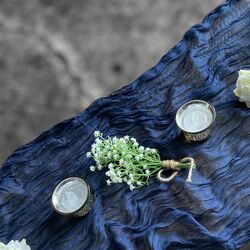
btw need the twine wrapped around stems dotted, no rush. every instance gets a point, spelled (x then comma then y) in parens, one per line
(186, 162)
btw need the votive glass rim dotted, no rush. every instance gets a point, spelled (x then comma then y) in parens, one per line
(56, 189)
(185, 105)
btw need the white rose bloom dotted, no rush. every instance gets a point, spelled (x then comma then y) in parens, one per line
(243, 87)
(15, 245)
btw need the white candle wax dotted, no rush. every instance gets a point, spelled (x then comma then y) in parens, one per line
(71, 196)
(196, 117)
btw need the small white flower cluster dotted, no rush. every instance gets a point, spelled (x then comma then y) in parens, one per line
(15, 245)
(126, 160)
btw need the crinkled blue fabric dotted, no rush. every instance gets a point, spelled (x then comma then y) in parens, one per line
(212, 212)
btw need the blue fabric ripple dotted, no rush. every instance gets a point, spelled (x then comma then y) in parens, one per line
(212, 212)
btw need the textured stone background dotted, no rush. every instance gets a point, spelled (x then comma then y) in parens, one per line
(57, 56)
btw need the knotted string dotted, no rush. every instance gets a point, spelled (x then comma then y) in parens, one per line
(186, 162)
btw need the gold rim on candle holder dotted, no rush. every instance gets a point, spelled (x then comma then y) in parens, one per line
(199, 135)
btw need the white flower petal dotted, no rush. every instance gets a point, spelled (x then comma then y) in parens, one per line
(92, 168)
(97, 133)
(133, 139)
(122, 140)
(110, 165)
(15, 245)
(243, 86)
(98, 141)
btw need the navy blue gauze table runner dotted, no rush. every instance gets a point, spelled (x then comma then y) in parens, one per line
(212, 212)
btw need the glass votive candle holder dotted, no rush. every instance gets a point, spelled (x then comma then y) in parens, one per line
(195, 119)
(72, 196)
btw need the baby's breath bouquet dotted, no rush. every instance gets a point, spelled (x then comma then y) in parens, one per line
(127, 161)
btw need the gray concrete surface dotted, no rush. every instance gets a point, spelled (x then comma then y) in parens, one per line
(57, 56)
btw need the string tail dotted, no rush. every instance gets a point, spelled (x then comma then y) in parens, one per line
(168, 179)
(189, 160)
